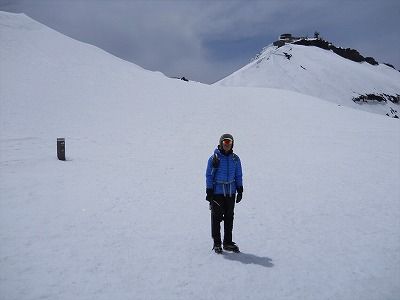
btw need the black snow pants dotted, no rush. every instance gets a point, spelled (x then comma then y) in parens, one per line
(222, 209)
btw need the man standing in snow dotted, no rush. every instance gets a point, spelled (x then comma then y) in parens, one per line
(223, 180)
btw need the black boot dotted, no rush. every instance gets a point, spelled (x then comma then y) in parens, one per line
(231, 246)
(217, 248)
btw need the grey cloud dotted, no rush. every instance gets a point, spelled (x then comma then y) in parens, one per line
(190, 37)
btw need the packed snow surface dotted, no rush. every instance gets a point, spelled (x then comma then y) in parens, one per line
(125, 217)
(320, 73)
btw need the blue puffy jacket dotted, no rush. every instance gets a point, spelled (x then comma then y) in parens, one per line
(227, 177)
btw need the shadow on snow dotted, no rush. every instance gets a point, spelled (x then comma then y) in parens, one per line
(248, 259)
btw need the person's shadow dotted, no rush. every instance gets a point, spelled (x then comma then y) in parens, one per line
(248, 259)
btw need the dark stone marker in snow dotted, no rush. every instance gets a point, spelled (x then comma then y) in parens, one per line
(61, 148)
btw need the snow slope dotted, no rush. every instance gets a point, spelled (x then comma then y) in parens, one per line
(125, 217)
(320, 73)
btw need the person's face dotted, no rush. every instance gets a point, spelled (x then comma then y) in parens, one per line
(227, 145)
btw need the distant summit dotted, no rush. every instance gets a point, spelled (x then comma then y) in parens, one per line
(314, 66)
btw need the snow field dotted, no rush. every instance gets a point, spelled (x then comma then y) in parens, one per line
(125, 217)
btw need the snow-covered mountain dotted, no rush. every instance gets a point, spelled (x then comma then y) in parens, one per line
(322, 73)
(125, 217)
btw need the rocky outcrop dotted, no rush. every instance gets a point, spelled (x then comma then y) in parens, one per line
(347, 53)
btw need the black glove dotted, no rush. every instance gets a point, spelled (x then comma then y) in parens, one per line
(239, 197)
(210, 194)
(240, 194)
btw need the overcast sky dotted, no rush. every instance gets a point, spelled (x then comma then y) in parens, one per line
(208, 40)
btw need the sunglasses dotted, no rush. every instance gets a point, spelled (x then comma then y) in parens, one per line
(227, 142)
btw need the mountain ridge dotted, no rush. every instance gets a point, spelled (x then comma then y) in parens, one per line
(317, 67)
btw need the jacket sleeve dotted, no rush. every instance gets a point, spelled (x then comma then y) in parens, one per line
(209, 174)
(238, 174)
